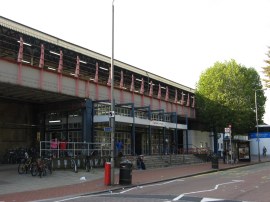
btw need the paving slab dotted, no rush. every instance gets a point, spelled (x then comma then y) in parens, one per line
(15, 187)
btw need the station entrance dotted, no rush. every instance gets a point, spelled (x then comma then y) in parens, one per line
(23, 119)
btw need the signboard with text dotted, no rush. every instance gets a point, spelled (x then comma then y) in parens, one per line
(227, 130)
(107, 129)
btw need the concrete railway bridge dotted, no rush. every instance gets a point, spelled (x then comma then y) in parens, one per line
(50, 88)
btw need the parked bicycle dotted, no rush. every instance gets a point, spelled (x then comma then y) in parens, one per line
(89, 161)
(10, 157)
(14, 156)
(73, 164)
(26, 164)
(42, 167)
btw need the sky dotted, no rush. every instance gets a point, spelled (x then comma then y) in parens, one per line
(175, 39)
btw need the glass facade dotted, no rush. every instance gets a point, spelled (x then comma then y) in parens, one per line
(137, 139)
(64, 126)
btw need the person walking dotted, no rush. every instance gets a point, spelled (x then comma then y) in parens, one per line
(224, 156)
(264, 151)
(119, 147)
(173, 147)
(166, 146)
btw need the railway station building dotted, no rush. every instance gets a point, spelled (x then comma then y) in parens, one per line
(53, 89)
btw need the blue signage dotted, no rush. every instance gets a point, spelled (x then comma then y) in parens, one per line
(107, 129)
(261, 135)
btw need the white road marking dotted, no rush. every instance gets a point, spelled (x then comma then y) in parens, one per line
(151, 185)
(207, 190)
(77, 197)
(68, 199)
(122, 192)
(210, 199)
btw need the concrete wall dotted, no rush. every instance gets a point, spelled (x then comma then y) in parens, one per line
(68, 85)
(262, 142)
(15, 125)
(199, 139)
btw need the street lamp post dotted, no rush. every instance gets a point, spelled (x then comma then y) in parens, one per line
(112, 118)
(231, 150)
(257, 135)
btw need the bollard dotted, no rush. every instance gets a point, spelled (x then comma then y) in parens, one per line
(107, 174)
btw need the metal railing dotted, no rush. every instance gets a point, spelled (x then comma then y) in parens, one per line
(68, 149)
(193, 149)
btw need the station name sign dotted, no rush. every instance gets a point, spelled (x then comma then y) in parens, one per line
(157, 123)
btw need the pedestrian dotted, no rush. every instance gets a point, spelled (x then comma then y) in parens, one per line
(54, 147)
(173, 147)
(166, 146)
(264, 151)
(119, 147)
(224, 155)
(63, 147)
(140, 163)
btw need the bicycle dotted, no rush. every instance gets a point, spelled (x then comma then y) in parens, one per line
(89, 161)
(42, 167)
(73, 164)
(26, 164)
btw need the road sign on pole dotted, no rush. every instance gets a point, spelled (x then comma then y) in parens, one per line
(111, 114)
(227, 130)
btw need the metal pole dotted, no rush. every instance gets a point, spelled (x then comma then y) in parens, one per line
(258, 139)
(187, 134)
(112, 119)
(231, 143)
(227, 156)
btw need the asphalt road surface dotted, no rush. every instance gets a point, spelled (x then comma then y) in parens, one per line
(250, 183)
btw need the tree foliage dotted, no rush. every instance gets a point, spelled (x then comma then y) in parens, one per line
(266, 70)
(226, 95)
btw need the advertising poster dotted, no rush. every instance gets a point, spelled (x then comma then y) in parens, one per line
(243, 151)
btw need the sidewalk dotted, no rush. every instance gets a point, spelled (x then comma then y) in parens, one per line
(67, 183)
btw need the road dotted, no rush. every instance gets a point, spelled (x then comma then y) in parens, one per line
(250, 183)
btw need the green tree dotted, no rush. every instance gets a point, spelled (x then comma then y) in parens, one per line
(266, 70)
(226, 95)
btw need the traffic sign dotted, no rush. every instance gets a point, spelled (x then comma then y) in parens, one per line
(227, 130)
(111, 114)
(107, 129)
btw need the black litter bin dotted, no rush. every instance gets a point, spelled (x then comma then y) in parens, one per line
(215, 162)
(125, 176)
